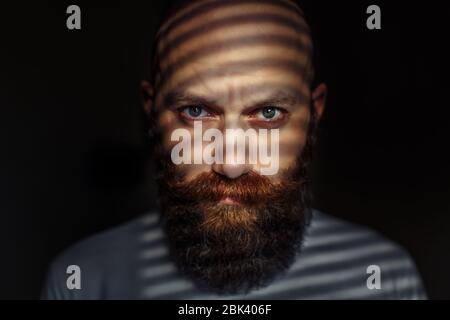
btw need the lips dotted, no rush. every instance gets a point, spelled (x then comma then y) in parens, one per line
(229, 201)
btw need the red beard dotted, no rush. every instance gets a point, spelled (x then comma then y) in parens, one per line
(234, 248)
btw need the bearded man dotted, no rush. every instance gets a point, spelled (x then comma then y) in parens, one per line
(224, 229)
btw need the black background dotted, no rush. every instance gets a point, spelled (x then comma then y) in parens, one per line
(73, 157)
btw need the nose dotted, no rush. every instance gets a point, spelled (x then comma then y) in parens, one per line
(234, 163)
(231, 171)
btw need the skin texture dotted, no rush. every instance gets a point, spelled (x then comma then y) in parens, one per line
(234, 65)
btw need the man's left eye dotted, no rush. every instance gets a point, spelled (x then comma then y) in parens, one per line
(269, 114)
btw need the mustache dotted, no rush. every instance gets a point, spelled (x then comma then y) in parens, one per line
(250, 188)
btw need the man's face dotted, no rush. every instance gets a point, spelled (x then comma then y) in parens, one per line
(234, 65)
(237, 66)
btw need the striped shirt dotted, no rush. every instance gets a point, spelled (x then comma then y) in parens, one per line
(132, 262)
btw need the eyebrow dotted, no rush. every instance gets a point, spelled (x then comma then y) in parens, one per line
(280, 96)
(177, 97)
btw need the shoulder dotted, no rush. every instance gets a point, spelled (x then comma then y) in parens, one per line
(342, 245)
(329, 232)
(97, 257)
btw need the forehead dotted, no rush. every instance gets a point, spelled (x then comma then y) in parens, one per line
(213, 46)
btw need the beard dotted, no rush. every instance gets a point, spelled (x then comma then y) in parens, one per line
(235, 248)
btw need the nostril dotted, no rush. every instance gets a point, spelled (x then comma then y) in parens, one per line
(234, 171)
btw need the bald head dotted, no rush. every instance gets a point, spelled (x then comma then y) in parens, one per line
(247, 43)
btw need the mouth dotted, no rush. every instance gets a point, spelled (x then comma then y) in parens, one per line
(229, 201)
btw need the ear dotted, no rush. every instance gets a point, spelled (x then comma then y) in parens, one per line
(319, 97)
(148, 96)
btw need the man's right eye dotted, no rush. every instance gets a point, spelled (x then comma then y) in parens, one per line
(194, 112)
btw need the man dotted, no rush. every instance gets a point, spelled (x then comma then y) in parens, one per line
(227, 228)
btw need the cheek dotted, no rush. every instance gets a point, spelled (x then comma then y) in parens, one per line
(293, 138)
(168, 122)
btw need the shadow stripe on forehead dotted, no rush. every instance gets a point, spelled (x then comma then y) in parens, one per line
(240, 67)
(208, 27)
(235, 44)
(224, 17)
(202, 7)
(300, 95)
(226, 36)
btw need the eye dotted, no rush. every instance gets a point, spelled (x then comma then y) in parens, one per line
(269, 114)
(194, 112)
